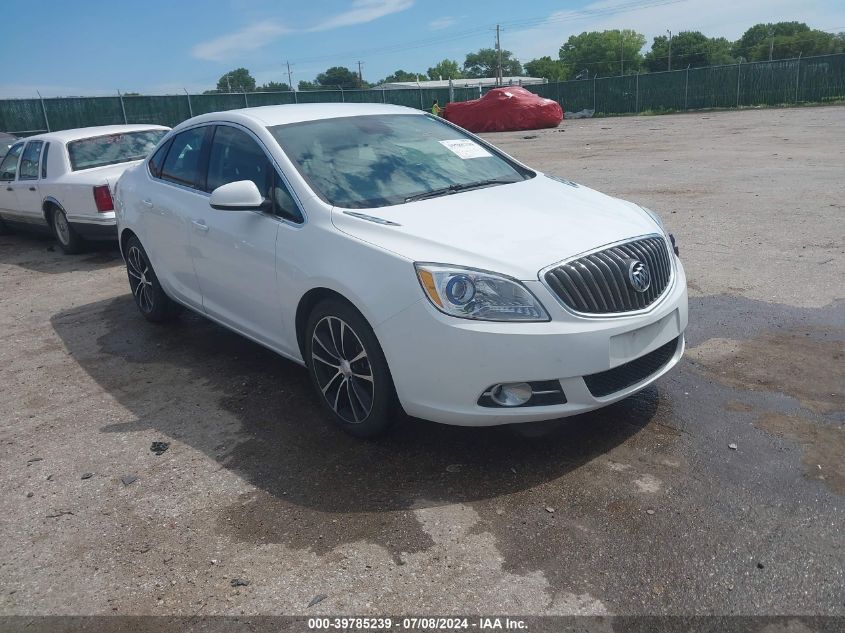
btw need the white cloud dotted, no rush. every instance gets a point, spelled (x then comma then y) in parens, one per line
(249, 38)
(363, 11)
(259, 34)
(442, 23)
(722, 19)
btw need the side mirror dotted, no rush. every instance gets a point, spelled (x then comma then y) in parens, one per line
(241, 195)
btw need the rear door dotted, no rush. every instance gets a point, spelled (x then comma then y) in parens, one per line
(173, 196)
(8, 177)
(27, 188)
(234, 251)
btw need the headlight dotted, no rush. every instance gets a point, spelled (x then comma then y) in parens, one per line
(474, 294)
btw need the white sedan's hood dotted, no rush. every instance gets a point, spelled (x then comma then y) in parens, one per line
(513, 229)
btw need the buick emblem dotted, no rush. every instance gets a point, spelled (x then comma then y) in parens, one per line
(639, 275)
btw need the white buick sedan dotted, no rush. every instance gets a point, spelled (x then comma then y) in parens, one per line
(63, 181)
(405, 262)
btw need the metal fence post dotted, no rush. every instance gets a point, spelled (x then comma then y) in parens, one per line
(738, 74)
(342, 98)
(686, 90)
(295, 98)
(637, 97)
(383, 99)
(122, 107)
(44, 111)
(594, 92)
(246, 101)
(190, 109)
(797, 76)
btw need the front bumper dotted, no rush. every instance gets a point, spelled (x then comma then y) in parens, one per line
(441, 365)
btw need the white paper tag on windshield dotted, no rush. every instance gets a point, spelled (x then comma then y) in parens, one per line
(465, 148)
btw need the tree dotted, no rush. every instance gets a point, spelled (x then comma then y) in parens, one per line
(689, 48)
(812, 42)
(548, 68)
(308, 85)
(339, 77)
(604, 53)
(238, 80)
(401, 75)
(760, 33)
(445, 69)
(485, 61)
(274, 86)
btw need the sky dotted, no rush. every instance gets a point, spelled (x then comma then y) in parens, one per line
(93, 47)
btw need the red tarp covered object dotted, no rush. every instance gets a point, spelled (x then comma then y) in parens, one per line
(504, 109)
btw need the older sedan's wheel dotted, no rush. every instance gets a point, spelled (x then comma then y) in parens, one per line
(149, 296)
(349, 370)
(68, 239)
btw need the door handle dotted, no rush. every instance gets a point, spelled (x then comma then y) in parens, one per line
(32, 188)
(147, 202)
(199, 225)
(10, 188)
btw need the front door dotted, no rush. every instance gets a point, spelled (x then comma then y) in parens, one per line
(8, 182)
(235, 251)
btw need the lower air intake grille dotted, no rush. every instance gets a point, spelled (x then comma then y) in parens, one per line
(607, 382)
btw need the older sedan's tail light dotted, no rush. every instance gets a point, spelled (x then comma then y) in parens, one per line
(102, 196)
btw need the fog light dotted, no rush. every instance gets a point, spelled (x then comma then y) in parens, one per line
(512, 394)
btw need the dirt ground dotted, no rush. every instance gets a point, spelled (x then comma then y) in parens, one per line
(720, 490)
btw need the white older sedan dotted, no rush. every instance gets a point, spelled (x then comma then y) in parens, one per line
(405, 262)
(63, 181)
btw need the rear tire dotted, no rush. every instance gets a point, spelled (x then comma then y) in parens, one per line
(68, 239)
(4, 228)
(147, 292)
(348, 369)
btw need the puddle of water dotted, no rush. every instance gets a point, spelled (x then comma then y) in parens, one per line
(804, 364)
(823, 446)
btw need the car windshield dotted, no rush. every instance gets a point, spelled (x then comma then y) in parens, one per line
(379, 160)
(111, 149)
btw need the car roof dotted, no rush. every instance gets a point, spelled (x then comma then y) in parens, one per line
(267, 116)
(64, 136)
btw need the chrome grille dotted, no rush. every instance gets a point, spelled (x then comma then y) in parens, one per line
(599, 283)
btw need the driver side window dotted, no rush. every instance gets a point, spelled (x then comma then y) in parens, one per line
(9, 166)
(236, 156)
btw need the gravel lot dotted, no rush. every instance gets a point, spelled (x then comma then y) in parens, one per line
(643, 507)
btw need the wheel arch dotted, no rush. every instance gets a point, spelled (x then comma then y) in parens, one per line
(48, 206)
(307, 303)
(125, 234)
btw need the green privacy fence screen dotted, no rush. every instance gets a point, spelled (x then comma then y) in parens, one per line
(808, 80)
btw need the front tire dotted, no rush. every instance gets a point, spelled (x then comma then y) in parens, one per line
(348, 369)
(68, 239)
(149, 296)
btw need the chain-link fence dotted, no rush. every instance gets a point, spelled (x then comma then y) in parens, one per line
(808, 80)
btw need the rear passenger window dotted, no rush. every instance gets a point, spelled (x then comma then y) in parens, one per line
(31, 161)
(44, 155)
(157, 160)
(236, 156)
(182, 164)
(9, 166)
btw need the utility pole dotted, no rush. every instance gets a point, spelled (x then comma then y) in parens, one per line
(499, 58)
(621, 54)
(670, 49)
(360, 75)
(290, 77)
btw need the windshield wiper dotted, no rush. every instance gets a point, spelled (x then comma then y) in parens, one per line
(445, 191)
